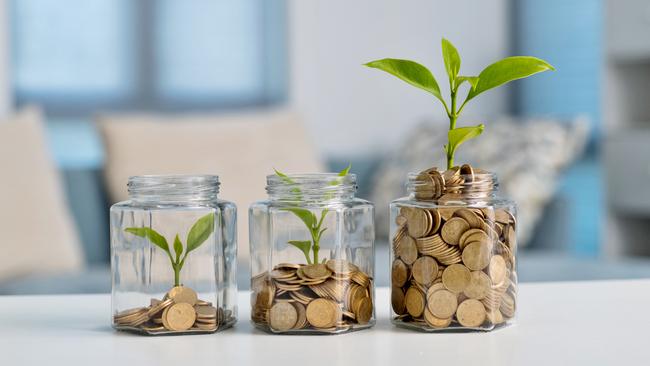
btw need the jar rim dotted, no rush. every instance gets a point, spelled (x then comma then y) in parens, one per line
(180, 187)
(313, 187)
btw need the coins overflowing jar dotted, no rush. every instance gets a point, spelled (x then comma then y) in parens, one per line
(312, 256)
(453, 252)
(173, 257)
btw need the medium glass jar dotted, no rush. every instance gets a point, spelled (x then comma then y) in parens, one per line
(173, 256)
(312, 256)
(453, 252)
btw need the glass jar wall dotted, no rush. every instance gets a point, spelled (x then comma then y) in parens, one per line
(173, 257)
(312, 256)
(453, 263)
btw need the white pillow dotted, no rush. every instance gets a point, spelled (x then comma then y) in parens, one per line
(37, 233)
(241, 148)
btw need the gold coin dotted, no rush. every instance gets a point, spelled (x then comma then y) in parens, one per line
(472, 235)
(498, 269)
(130, 312)
(400, 220)
(397, 300)
(179, 316)
(425, 270)
(507, 305)
(341, 266)
(435, 287)
(471, 313)
(494, 316)
(364, 310)
(282, 316)
(455, 278)
(476, 256)
(468, 172)
(446, 213)
(416, 222)
(159, 306)
(408, 250)
(511, 237)
(442, 303)
(453, 229)
(434, 321)
(314, 271)
(182, 294)
(301, 322)
(470, 217)
(203, 312)
(323, 313)
(435, 221)
(479, 285)
(414, 302)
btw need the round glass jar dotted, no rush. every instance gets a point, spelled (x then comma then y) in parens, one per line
(312, 256)
(173, 256)
(453, 253)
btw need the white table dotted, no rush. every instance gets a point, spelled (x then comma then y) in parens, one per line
(571, 323)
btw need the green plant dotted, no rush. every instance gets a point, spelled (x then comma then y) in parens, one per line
(496, 74)
(312, 222)
(198, 234)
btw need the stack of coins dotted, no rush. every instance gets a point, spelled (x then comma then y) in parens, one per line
(454, 266)
(457, 183)
(179, 311)
(330, 297)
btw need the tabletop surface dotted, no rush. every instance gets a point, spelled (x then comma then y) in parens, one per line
(561, 323)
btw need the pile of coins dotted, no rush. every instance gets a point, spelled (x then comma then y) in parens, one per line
(179, 311)
(457, 183)
(330, 297)
(453, 266)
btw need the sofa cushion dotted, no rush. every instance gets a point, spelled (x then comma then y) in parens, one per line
(37, 233)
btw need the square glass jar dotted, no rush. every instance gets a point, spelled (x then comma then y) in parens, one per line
(312, 256)
(453, 253)
(173, 257)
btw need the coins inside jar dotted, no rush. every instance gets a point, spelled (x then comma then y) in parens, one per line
(180, 311)
(330, 297)
(463, 272)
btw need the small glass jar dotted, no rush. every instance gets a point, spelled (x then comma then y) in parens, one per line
(173, 256)
(312, 256)
(453, 253)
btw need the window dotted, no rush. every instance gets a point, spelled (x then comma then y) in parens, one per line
(74, 57)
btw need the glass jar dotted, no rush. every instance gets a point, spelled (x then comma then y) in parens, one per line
(312, 256)
(173, 256)
(453, 252)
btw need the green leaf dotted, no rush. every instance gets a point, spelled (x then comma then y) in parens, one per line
(506, 70)
(303, 214)
(151, 234)
(345, 171)
(452, 59)
(461, 134)
(200, 232)
(472, 80)
(340, 176)
(303, 245)
(411, 72)
(284, 177)
(178, 247)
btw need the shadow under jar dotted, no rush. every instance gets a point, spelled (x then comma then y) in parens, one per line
(453, 253)
(173, 257)
(312, 256)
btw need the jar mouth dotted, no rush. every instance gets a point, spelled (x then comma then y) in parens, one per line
(451, 185)
(174, 186)
(311, 186)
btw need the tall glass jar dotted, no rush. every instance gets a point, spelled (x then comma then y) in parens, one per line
(312, 256)
(173, 256)
(453, 252)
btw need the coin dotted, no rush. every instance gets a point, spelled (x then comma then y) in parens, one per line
(408, 250)
(497, 269)
(159, 306)
(479, 285)
(322, 313)
(364, 311)
(470, 217)
(397, 300)
(282, 316)
(416, 222)
(203, 312)
(471, 313)
(313, 271)
(472, 235)
(425, 270)
(442, 303)
(456, 278)
(341, 266)
(301, 322)
(414, 302)
(434, 321)
(179, 317)
(453, 229)
(476, 256)
(182, 294)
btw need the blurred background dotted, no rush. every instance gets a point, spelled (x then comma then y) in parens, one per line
(92, 91)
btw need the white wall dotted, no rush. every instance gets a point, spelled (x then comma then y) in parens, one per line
(353, 110)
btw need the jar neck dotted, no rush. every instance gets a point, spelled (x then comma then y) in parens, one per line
(452, 186)
(311, 188)
(173, 188)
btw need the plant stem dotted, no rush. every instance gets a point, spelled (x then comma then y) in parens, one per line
(452, 124)
(177, 275)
